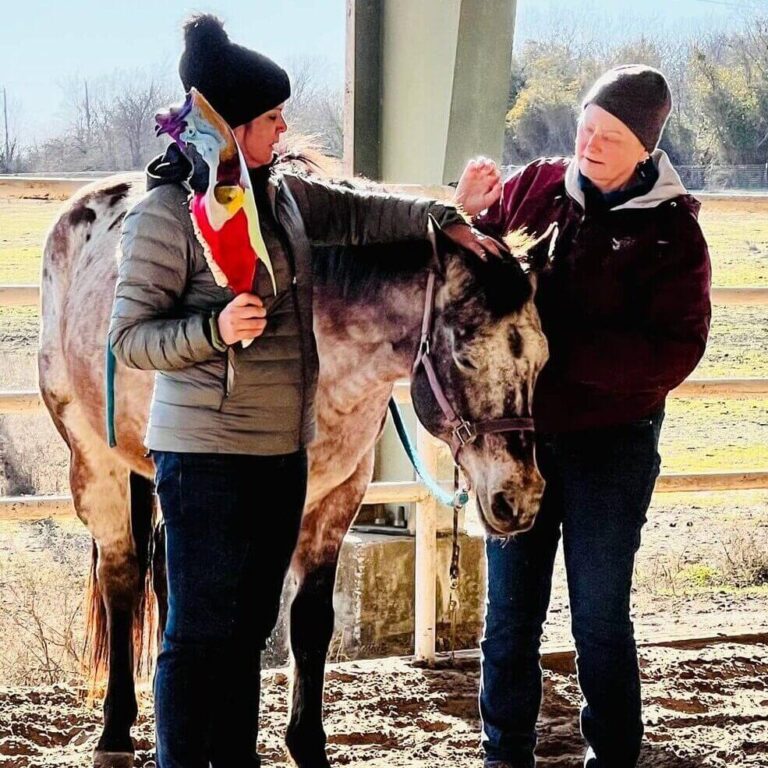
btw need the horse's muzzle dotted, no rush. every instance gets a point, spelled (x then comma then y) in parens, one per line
(505, 514)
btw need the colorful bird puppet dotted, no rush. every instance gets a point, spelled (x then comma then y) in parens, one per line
(224, 214)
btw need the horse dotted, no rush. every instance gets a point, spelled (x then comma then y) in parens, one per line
(466, 333)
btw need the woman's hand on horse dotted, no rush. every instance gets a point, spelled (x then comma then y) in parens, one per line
(243, 318)
(479, 186)
(472, 240)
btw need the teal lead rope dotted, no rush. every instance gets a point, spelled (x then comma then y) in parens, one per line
(109, 379)
(459, 498)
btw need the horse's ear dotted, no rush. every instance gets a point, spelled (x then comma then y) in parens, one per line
(442, 245)
(536, 260)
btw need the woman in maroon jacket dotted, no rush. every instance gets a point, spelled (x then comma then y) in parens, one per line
(623, 294)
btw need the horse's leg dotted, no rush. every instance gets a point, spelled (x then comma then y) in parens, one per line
(100, 484)
(160, 578)
(312, 615)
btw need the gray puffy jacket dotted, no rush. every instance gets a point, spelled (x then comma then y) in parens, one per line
(257, 400)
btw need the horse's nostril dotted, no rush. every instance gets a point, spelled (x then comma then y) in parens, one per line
(504, 507)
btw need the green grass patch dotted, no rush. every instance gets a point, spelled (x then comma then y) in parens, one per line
(737, 232)
(23, 226)
(701, 575)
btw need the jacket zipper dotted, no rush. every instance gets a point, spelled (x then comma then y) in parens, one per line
(229, 375)
(303, 331)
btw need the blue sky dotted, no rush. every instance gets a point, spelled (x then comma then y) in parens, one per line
(43, 45)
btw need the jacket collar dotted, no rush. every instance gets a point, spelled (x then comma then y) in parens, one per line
(667, 187)
(172, 167)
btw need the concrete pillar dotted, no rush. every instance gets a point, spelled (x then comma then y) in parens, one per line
(426, 89)
(427, 86)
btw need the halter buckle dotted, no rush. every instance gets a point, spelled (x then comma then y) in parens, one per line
(464, 433)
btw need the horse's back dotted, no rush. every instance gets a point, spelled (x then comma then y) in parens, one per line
(80, 246)
(79, 271)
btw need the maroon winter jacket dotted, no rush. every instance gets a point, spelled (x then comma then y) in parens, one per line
(623, 298)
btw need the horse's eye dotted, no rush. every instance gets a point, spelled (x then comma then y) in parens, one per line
(463, 363)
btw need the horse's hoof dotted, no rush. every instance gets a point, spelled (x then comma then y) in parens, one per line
(320, 762)
(112, 759)
(307, 761)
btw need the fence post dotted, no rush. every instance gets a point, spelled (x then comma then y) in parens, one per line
(426, 557)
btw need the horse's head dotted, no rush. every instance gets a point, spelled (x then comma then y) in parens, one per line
(486, 349)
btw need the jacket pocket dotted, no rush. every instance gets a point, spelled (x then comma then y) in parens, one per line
(199, 386)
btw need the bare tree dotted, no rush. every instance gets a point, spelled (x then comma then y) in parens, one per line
(110, 123)
(132, 109)
(731, 94)
(9, 150)
(315, 109)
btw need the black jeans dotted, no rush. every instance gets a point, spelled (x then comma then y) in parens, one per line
(599, 485)
(227, 553)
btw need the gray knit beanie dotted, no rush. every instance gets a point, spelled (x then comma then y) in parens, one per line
(637, 95)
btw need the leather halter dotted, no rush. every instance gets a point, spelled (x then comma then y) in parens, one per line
(462, 431)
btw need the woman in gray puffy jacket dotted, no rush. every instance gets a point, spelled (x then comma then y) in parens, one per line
(227, 421)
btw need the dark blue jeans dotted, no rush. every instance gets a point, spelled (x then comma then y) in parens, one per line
(598, 488)
(231, 526)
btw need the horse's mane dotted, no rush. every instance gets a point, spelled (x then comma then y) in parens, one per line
(358, 273)
(303, 154)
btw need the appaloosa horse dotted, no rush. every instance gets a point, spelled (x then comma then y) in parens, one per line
(484, 351)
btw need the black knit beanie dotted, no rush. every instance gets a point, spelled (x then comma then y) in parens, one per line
(638, 96)
(239, 83)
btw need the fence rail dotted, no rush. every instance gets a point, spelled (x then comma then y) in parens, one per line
(29, 295)
(25, 508)
(19, 295)
(24, 401)
(51, 187)
(40, 507)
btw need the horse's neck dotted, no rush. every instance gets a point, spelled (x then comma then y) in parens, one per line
(365, 346)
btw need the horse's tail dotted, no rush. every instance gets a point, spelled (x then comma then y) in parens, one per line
(142, 524)
(142, 507)
(96, 633)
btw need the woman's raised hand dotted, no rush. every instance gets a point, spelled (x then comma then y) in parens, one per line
(479, 186)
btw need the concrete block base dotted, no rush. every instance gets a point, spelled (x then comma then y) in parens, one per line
(374, 598)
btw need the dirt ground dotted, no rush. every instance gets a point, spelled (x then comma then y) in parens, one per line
(705, 707)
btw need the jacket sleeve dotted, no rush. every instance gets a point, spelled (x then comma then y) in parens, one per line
(338, 215)
(147, 329)
(665, 350)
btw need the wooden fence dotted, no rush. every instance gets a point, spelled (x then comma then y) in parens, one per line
(37, 507)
